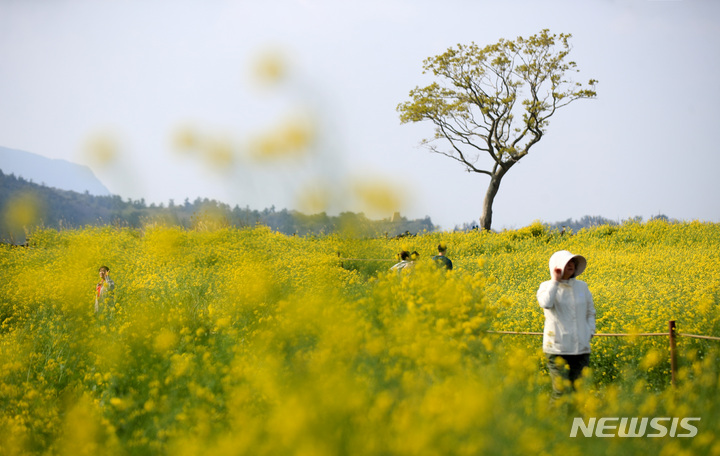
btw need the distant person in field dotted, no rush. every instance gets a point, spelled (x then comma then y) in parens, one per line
(104, 290)
(569, 321)
(405, 261)
(440, 259)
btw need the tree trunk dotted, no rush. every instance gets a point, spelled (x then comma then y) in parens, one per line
(493, 187)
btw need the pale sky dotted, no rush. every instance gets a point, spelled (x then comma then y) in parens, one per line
(135, 73)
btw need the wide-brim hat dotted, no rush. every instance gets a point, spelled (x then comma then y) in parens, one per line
(561, 258)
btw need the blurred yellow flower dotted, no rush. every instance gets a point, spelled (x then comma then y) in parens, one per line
(270, 68)
(186, 139)
(165, 341)
(378, 196)
(314, 199)
(23, 210)
(102, 149)
(291, 139)
(219, 153)
(652, 359)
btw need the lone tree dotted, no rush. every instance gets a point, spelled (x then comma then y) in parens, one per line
(474, 106)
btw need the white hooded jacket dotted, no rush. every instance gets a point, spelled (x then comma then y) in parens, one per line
(569, 309)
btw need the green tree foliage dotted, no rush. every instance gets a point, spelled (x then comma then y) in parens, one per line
(490, 105)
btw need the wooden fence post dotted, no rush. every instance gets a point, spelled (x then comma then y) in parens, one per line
(673, 353)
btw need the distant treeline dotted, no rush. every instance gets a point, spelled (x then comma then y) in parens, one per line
(573, 226)
(590, 221)
(68, 209)
(54, 208)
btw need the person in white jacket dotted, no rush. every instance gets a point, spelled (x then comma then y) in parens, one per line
(405, 261)
(569, 320)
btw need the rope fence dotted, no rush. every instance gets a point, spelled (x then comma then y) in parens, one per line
(672, 334)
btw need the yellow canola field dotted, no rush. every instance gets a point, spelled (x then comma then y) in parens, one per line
(229, 342)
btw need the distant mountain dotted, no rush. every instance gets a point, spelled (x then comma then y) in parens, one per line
(60, 174)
